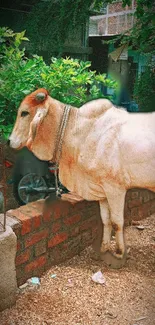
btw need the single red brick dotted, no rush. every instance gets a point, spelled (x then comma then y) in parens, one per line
(36, 222)
(56, 227)
(40, 261)
(72, 220)
(34, 238)
(22, 258)
(26, 226)
(57, 239)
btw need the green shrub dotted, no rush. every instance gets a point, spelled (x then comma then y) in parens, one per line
(68, 80)
(144, 90)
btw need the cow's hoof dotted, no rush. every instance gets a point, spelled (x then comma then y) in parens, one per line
(113, 261)
(104, 249)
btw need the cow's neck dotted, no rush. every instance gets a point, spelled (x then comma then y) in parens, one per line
(61, 133)
(65, 125)
(75, 135)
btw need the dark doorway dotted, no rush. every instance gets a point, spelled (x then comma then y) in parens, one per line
(99, 56)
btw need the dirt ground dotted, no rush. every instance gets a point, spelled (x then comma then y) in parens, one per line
(72, 298)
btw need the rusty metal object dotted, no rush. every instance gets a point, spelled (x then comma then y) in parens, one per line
(3, 185)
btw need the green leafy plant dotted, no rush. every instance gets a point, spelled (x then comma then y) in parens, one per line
(144, 90)
(63, 19)
(68, 80)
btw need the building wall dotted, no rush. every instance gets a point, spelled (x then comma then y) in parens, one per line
(115, 21)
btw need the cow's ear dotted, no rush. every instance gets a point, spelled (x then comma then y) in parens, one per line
(34, 125)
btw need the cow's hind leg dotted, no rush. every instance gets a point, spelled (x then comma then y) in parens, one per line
(116, 200)
(112, 214)
(105, 216)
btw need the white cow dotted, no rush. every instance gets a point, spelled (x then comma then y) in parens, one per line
(105, 151)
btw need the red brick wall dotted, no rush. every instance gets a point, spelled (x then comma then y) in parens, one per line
(49, 237)
(117, 7)
(139, 204)
(63, 228)
(117, 19)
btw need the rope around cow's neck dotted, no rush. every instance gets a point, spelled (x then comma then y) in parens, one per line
(58, 145)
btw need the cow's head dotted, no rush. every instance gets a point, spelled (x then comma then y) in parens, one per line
(32, 129)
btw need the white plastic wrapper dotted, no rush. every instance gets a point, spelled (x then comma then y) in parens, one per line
(98, 278)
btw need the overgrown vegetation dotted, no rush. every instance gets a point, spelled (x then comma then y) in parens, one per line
(68, 80)
(144, 90)
(142, 35)
(50, 22)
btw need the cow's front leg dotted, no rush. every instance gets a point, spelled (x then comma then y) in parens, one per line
(116, 200)
(105, 216)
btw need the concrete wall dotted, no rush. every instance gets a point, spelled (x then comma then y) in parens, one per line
(8, 283)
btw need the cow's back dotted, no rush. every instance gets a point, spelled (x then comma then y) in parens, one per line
(137, 145)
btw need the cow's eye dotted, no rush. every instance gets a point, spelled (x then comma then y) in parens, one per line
(24, 113)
